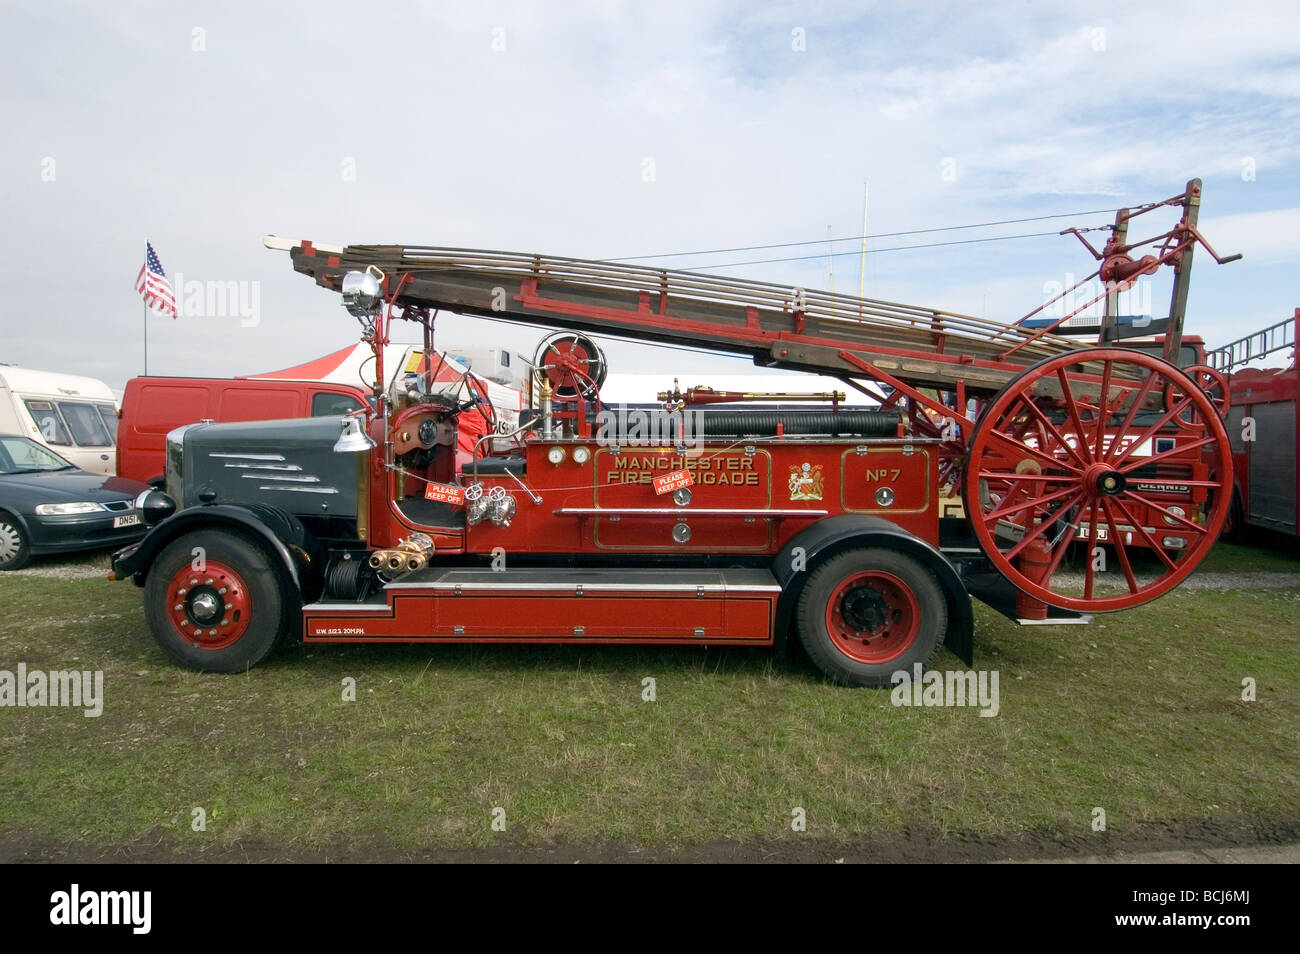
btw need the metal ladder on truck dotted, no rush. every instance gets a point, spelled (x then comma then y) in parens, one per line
(1252, 347)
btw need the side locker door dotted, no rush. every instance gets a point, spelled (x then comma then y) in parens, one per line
(1273, 467)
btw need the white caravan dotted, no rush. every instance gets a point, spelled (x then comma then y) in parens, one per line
(73, 416)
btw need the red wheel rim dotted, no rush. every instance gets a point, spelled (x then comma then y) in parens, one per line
(1030, 487)
(872, 617)
(210, 608)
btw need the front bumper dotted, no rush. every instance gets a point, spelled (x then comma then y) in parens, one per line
(124, 565)
(89, 531)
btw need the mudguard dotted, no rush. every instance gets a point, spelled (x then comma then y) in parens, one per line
(286, 537)
(850, 531)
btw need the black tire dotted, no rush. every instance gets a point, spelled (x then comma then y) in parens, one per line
(270, 599)
(913, 577)
(15, 548)
(1234, 527)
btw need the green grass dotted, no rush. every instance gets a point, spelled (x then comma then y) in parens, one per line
(1266, 553)
(1140, 714)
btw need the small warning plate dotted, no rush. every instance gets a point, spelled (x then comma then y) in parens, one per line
(445, 493)
(676, 480)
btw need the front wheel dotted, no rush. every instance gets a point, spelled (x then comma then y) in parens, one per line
(15, 551)
(215, 602)
(865, 614)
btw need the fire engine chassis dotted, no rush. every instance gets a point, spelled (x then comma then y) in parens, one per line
(722, 527)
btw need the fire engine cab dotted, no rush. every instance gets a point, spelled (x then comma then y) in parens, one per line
(705, 517)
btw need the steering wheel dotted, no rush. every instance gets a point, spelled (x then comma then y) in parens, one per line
(478, 399)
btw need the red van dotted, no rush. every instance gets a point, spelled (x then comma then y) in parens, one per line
(334, 384)
(153, 406)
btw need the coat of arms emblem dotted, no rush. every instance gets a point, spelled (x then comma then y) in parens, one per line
(805, 481)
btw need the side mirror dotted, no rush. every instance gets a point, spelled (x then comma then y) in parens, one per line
(363, 292)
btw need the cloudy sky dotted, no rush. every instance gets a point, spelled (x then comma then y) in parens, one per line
(609, 130)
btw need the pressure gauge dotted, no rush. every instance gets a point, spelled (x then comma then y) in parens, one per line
(555, 455)
(581, 455)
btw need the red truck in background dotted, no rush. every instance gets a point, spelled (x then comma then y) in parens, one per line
(1262, 426)
(328, 386)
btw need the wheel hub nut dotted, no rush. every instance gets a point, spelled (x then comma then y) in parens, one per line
(204, 606)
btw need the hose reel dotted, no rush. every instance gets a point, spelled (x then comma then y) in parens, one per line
(573, 364)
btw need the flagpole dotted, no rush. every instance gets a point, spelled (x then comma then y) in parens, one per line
(144, 306)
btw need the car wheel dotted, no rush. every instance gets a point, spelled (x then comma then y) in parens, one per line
(216, 602)
(15, 551)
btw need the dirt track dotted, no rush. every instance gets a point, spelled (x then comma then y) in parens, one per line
(1193, 842)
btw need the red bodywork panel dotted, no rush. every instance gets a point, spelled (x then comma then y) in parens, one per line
(608, 504)
(505, 610)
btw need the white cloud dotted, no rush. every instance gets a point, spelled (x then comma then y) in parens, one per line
(1262, 237)
(541, 147)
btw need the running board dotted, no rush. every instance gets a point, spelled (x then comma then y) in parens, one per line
(651, 605)
(1078, 619)
(998, 593)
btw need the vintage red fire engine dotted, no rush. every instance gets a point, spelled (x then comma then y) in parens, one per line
(698, 518)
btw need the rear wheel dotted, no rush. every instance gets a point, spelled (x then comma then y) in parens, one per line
(15, 551)
(865, 614)
(216, 602)
(1234, 525)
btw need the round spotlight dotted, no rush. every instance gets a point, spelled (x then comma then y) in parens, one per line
(155, 506)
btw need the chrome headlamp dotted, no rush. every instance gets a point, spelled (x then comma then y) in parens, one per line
(155, 506)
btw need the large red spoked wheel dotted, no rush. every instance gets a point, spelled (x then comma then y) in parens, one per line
(1104, 446)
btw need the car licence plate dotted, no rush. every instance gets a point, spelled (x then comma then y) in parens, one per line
(126, 520)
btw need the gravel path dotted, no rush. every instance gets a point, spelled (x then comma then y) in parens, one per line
(1258, 580)
(64, 571)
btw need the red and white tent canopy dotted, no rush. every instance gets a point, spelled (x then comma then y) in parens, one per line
(355, 365)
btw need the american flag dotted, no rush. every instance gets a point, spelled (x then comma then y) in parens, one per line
(153, 285)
